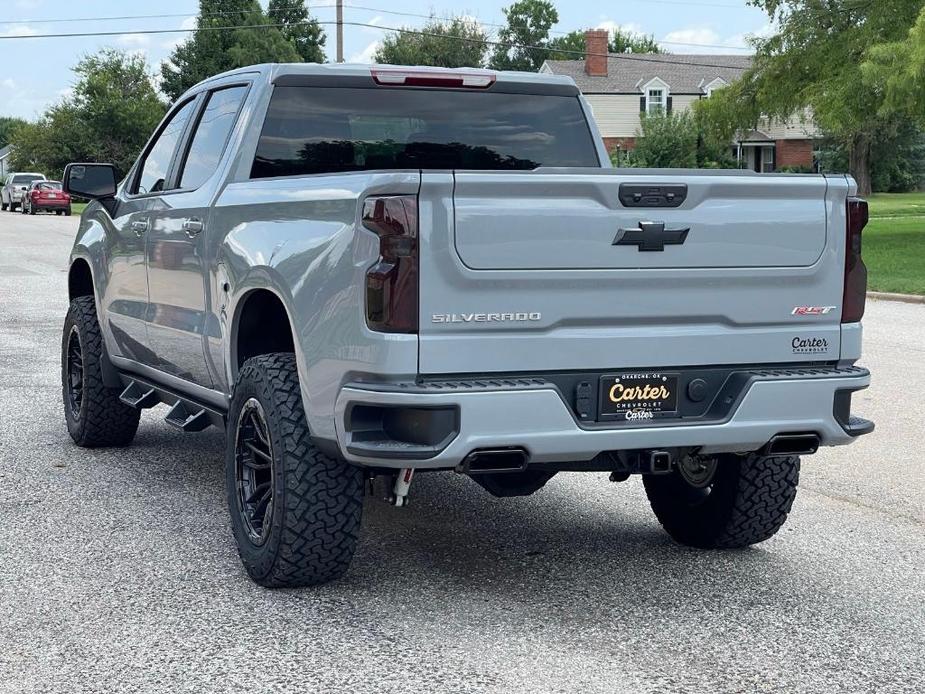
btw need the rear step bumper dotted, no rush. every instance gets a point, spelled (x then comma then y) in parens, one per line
(530, 414)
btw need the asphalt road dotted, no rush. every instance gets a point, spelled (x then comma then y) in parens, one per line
(118, 572)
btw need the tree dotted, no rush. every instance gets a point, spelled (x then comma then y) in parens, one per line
(452, 43)
(814, 62)
(109, 116)
(301, 30)
(221, 43)
(522, 41)
(675, 140)
(899, 67)
(7, 127)
(571, 46)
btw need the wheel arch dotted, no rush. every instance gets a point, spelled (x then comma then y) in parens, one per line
(80, 279)
(261, 324)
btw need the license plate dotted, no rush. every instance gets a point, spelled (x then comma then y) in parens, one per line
(52, 195)
(638, 396)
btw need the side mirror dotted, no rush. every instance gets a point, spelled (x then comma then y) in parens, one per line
(93, 181)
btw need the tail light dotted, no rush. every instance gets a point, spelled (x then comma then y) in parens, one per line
(392, 283)
(855, 293)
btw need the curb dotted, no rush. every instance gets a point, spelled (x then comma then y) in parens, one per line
(892, 296)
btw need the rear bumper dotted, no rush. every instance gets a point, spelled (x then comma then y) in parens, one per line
(51, 204)
(532, 414)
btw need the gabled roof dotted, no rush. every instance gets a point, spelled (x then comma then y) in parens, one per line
(684, 73)
(4, 151)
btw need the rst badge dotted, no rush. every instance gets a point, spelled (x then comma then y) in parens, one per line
(812, 310)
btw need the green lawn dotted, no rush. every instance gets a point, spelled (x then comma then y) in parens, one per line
(77, 207)
(894, 243)
(897, 204)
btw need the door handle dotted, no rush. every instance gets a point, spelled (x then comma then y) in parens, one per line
(192, 226)
(140, 226)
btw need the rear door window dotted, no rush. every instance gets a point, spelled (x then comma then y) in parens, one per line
(211, 136)
(152, 177)
(310, 130)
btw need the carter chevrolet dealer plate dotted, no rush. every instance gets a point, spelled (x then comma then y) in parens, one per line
(638, 395)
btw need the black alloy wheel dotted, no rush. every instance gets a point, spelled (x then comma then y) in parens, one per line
(75, 373)
(254, 471)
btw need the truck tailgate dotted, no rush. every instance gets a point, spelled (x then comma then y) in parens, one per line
(527, 272)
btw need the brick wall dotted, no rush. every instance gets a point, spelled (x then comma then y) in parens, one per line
(794, 153)
(625, 143)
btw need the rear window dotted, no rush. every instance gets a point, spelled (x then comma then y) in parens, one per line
(26, 178)
(310, 130)
(48, 185)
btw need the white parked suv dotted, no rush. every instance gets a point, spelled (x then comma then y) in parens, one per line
(14, 187)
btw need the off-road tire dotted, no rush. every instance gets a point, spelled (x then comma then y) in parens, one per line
(746, 503)
(3, 206)
(101, 418)
(317, 501)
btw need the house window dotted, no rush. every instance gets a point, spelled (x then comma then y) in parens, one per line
(655, 101)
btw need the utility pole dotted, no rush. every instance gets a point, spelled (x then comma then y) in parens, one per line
(340, 31)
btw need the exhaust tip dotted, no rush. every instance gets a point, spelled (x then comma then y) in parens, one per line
(494, 460)
(792, 444)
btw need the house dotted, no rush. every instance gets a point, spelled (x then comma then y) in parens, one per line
(620, 88)
(5, 153)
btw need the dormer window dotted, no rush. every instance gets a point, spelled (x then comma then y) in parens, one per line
(656, 98)
(711, 87)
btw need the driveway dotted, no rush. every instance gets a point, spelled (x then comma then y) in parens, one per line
(118, 572)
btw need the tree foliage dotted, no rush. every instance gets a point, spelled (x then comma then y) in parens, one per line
(814, 62)
(108, 117)
(676, 140)
(571, 46)
(7, 127)
(300, 29)
(522, 42)
(222, 42)
(899, 68)
(451, 43)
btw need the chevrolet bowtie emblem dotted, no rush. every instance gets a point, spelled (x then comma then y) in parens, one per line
(650, 236)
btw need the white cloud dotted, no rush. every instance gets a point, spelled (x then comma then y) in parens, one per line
(19, 30)
(8, 83)
(136, 40)
(611, 26)
(188, 23)
(704, 38)
(366, 55)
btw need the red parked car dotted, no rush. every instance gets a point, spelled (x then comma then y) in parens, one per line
(46, 195)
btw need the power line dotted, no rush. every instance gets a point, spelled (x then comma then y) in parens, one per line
(356, 7)
(635, 57)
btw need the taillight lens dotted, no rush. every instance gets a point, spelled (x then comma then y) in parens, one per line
(392, 283)
(855, 294)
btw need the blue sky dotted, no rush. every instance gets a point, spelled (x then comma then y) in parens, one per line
(35, 72)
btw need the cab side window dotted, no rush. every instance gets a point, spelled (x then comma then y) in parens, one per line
(212, 131)
(152, 176)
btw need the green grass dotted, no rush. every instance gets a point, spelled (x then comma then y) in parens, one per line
(77, 207)
(894, 252)
(897, 204)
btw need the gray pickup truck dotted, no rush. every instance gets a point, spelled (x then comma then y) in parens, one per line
(367, 273)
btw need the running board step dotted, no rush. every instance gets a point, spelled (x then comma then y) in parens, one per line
(139, 396)
(187, 418)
